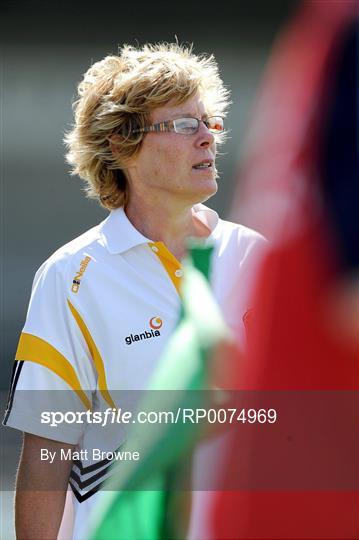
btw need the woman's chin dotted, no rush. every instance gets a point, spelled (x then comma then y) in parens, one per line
(207, 189)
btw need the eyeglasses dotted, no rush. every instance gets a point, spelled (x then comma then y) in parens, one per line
(185, 126)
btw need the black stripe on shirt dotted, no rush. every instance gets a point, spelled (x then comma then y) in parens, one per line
(93, 467)
(81, 498)
(86, 483)
(16, 370)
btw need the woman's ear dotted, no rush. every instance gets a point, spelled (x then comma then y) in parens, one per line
(115, 140)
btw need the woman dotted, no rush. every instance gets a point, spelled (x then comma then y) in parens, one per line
(147, 124)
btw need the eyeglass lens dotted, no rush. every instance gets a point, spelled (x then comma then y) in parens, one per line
(191, 125)
(186, 125)
(215, 124)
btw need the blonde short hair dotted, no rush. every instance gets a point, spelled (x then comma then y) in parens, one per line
(118, 94)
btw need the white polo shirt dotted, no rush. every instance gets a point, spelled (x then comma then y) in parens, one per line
(101, 311)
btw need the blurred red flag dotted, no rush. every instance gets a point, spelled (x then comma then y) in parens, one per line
(298, 340)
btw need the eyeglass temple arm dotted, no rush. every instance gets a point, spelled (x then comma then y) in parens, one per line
(160, 126)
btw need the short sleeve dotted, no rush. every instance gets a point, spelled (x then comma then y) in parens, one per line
(53, 369)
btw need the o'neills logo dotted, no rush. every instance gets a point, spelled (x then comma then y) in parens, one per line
(155, 324)
(76, 282)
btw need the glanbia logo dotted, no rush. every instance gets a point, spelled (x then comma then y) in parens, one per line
(155, 324)
(76, 282)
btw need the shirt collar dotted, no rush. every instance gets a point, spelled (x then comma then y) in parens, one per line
(208, 216)
(120, 235)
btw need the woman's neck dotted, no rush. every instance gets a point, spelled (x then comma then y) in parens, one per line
(166, 224)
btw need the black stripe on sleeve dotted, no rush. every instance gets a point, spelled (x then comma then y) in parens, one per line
(14, 380)
(81, 498)
(93, 467)
(86, 483)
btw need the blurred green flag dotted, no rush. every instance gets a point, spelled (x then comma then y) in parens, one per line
(139, 498)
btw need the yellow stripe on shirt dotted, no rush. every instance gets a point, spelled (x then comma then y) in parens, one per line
(170, 263)
(95, 354)
(34, 349)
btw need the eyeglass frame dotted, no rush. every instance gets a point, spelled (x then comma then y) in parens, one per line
(168, 126)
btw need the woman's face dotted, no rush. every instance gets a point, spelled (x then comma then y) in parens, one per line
(166, 163)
